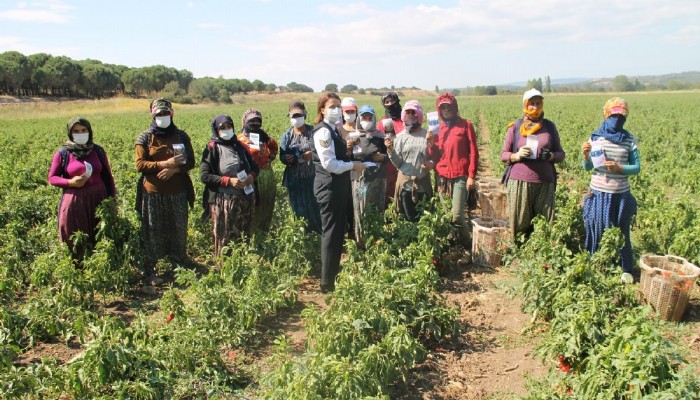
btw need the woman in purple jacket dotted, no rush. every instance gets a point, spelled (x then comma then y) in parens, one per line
(81, 169)
(530, 150)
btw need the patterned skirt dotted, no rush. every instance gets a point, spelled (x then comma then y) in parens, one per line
(77, 212)
(303, 201)
(603, 210)
(231, 217)
(267, 192)
(164, 227)
(526, 200)
(367, 193)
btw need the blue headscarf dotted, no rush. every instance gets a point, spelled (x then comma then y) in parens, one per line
(612, 129)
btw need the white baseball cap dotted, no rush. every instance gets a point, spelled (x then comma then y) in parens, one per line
(530, 94)
(348, 103)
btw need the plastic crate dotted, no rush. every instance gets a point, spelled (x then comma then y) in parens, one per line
(666, 283)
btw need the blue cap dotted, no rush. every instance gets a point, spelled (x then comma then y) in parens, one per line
(366, 109)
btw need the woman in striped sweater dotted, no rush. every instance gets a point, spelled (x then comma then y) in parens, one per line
(613, 156)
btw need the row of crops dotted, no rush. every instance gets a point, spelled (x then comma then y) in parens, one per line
(185, 342)
(605, 344)
(668, 187)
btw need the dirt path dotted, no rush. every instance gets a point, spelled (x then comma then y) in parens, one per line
(492, 357)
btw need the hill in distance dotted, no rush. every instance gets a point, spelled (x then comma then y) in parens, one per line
(682, 77)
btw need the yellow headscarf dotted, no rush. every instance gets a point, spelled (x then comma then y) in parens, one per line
(533, 119)
(616, 105)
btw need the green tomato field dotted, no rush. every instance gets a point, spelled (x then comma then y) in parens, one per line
(205, 333)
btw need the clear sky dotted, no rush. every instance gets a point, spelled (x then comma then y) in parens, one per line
(369, 44)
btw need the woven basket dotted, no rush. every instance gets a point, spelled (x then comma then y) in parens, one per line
(489, 241)
(493, 200)
(666, 283)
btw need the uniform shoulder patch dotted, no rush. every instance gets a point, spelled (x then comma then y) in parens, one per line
(324, 138)
(511, 124)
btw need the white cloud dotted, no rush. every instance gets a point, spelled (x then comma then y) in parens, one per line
(686, 36)
(362, 42)
(13, 43)
(43, 12)
(503, 23)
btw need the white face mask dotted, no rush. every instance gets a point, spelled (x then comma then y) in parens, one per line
(333, 115)
(163, 122)
(297, 122)
(226, 134)
(349, 117)
(80, 138)
(366, 125)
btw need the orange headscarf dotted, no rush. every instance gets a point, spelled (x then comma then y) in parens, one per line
(533, 119)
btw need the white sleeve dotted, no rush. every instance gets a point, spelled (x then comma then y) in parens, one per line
(326, 153)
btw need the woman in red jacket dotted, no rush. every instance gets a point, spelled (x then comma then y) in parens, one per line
(456, 157)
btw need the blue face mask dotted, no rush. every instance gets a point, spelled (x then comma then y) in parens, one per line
(617, 121)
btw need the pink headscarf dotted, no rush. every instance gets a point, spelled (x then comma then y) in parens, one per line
(415, 106)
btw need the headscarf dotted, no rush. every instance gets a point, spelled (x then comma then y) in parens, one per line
(415, 106)
(156, 106)
(161, 104)
(448, 98)
(616, 105)
(79, 151)
(215, 124)
(394, 111)
(532, 120)
(615, 111)
(249, 115)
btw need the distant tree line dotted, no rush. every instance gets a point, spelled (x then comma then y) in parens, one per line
(44, 75)
(620, 83)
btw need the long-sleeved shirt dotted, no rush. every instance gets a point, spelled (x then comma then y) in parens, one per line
(398, 125)
(529, 170)
(76, 167)
(455, 150)
(159, 149)
(296, 144)
(329, 151)
(626, 154)
(410, 152)
(262, 156)
(220, 163)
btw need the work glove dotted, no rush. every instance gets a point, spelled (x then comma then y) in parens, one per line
(545, 155)
(523, 152)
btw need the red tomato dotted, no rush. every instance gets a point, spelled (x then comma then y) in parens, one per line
(564, 364)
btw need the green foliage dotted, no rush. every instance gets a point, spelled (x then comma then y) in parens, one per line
(382, 308)
(385, 306)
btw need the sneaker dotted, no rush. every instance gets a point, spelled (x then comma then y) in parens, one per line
(627, 278)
